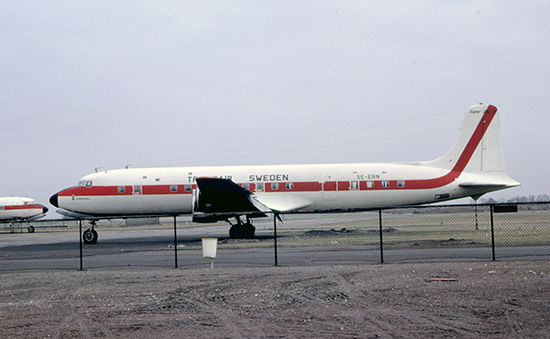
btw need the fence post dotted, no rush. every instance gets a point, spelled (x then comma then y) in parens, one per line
(80, 237)
(175, 244)
(275, 235)
(493, 232)
(381, 240)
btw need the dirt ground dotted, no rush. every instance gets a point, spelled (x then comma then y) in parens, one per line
(478, 299)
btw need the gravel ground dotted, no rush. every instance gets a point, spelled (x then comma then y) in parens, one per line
(452, 300)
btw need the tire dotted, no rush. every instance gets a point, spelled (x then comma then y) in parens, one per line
(236, 232)
(248, 232)
(90, 236)
(244, 231)
(30, 229)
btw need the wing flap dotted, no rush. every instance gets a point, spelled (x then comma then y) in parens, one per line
(281, 202)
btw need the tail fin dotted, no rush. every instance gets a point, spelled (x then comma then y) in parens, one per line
(478, 151)
(478, 147)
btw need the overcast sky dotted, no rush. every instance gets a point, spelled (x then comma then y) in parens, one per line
(88, 84)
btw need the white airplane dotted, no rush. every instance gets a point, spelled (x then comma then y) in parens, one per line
(473, 167)
(20, 209)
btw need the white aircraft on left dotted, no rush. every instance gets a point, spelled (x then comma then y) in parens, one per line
(20, 209)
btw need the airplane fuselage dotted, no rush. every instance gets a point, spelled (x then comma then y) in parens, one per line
(321, 187)
(20, 208)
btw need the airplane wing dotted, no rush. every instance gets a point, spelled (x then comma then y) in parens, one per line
(218, 195)
(74, 215)
(223, 195)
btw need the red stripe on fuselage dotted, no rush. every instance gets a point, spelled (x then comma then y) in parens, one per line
(128, 190)
(23, 207)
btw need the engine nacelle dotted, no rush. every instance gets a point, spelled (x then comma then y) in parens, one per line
(208, 218)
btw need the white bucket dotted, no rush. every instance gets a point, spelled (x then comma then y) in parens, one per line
(209, 246)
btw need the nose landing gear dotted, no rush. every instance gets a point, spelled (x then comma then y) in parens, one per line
(90, 235)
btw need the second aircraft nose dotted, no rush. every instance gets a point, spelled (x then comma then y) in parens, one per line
(53, 200)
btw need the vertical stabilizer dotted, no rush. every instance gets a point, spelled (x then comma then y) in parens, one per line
(476, 159)
(479, 146)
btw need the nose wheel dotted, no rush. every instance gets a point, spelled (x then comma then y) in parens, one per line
(90, 235)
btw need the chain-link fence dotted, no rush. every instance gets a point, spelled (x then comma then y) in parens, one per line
(409, 234)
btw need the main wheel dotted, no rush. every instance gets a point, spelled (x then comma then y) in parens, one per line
(236, 232)
(248, 231)
(30, 229)
(242, 231)
(89, 236)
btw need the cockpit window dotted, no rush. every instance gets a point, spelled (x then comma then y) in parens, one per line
(89, 183)
(82, 183)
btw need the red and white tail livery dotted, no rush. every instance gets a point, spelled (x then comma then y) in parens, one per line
(20, 209)
(473, 167)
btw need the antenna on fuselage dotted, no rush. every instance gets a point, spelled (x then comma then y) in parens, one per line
(98, 168)
(127, 166)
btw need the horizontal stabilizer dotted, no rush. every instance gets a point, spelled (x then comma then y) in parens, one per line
(483, 185)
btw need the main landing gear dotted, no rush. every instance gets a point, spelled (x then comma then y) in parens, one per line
(90, 235)
(242, 230)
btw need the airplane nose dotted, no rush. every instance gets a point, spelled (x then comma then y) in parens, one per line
(53, 200)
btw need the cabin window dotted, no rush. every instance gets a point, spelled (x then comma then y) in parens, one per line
(385, 184)
(246, 187)
(137, 190)
(370, 184)
(289, 185)
(260, 187)
(89, 183)
(173, 188)
(274, 186)
(121, 189)
(401, 183)
(354, 185)
(187, 188)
